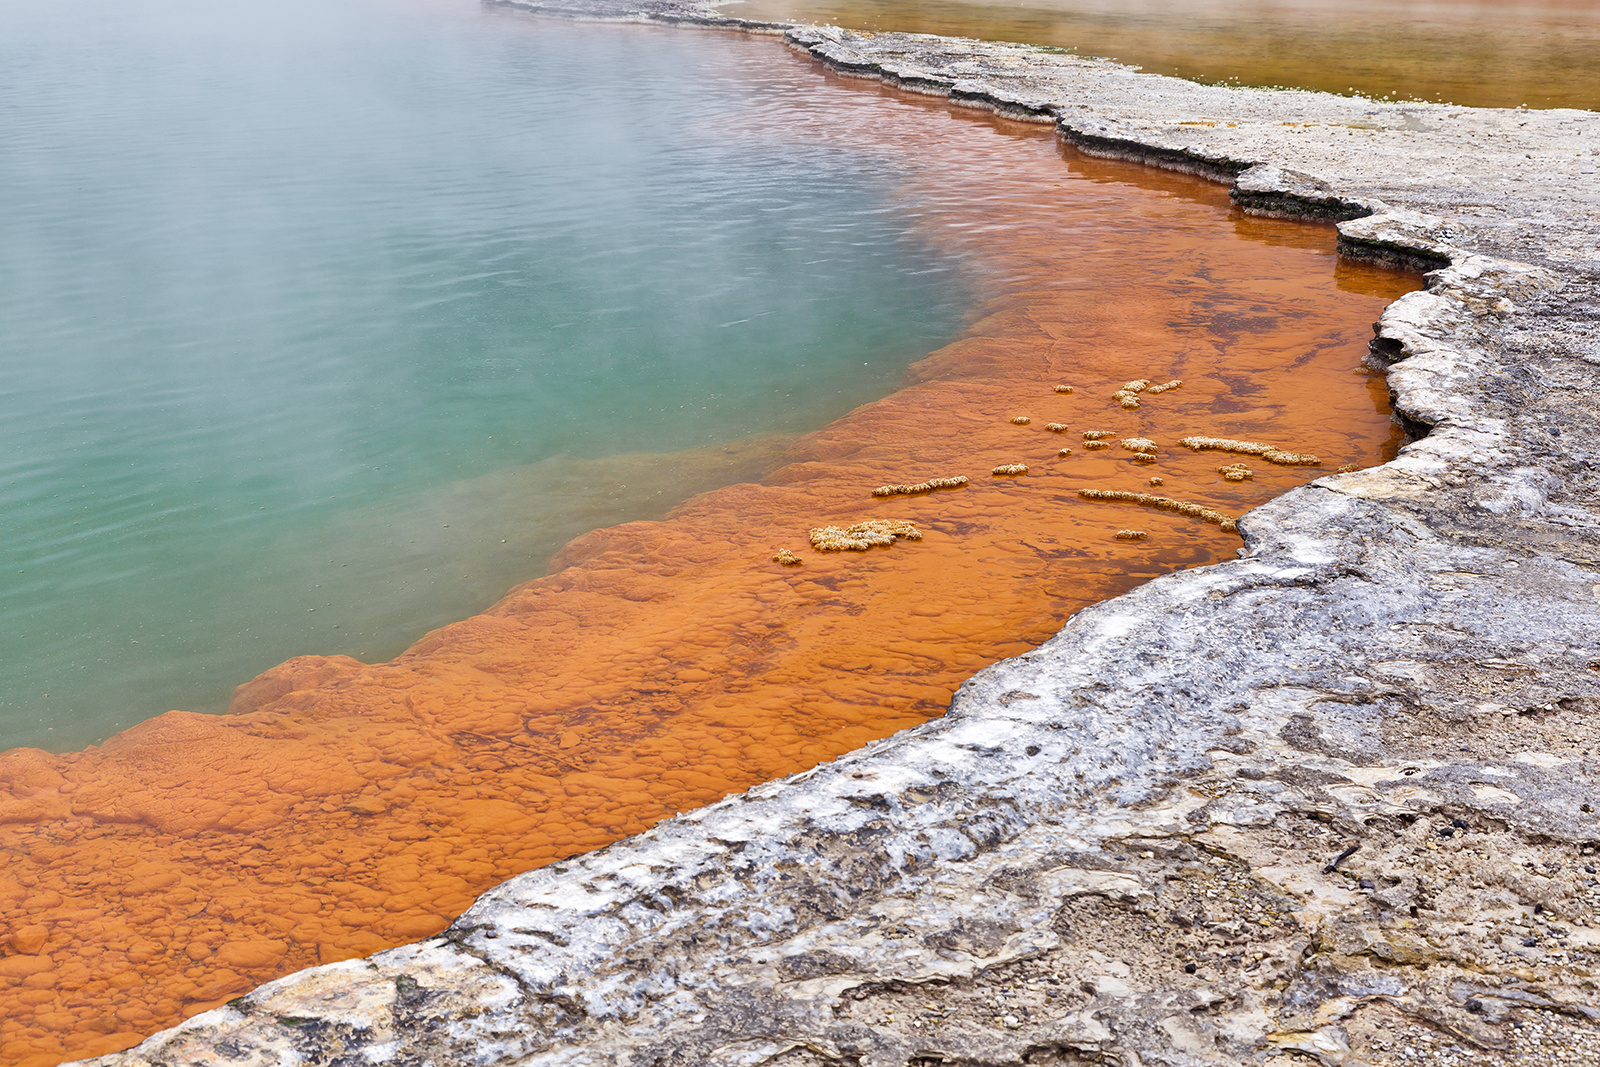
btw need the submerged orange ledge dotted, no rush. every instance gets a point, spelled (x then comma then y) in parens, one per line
(341, 808)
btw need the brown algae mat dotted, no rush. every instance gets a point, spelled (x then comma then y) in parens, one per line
(1467, 53)
(342, 807)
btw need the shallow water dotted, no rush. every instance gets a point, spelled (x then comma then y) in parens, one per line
(1481, 53)
(281, 285)
(661, 665)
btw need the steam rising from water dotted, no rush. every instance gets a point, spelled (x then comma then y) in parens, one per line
(275, 278)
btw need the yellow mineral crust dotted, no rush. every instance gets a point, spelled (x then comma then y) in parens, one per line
(1291, 459)
(1132, 535)
(1139, 444)
(1164, 503)
(1270, 453)
(1096, 435)
(1155, 481)
(1096, 445)
(1063, 388)
(1224, 444)
(787, 558)
(864, 535)
(1164, 386)
(1011, 468)
(1236, 472)
(1065, 452)
(921, 487)
(1020, 420)
(1056, 427)
(1128, 395)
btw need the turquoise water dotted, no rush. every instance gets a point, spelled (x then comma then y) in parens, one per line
(319, 320)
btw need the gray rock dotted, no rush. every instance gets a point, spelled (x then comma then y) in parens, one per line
(1201, 772)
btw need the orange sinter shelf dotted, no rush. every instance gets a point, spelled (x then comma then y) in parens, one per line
(342, 807)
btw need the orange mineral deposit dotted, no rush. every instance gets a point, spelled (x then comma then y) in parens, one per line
(342, 807)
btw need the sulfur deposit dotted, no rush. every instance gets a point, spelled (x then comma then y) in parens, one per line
(1056, 427)
(928, 486)
(787, 558)
(1235, 472)
(1007, 469)
(1098, 435)
(1165, 386)
(1270, 453)
(1139, 444)
(1020, 420)
(1291, 459)
(1161, 503)
(1132, 535)
(1064, 389)
(873, 533)
(1128, 395)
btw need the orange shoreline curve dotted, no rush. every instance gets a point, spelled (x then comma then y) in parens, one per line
(340, 808)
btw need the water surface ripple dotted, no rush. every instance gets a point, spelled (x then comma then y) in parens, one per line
(281, 286)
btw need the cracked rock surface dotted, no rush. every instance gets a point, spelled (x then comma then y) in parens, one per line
(1331, 802)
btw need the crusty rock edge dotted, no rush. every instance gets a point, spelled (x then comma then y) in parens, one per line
(1326, 800)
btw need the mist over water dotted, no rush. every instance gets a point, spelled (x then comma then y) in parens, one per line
(322, 322)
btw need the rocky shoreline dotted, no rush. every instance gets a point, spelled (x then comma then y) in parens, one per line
(1333, 801)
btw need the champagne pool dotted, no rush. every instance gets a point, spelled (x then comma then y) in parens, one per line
(572, 275)
(323, 324)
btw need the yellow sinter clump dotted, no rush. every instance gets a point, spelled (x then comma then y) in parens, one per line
(1155, 481)
(1011, 468)
(1095, 446)
(1270, 453)
(1065, 452)
(787, 558)
(1056, 427)
(1348, 468)
(1128, 395)
(1164, 503)
(1132, 535)
(1095, 435)
(1063, 388)
(1291, 459)
(1224, 444)
(1175, 383)
(1236, 472)
(1020, 420)
(1139, 444)
(921, 487)
(863, 535)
